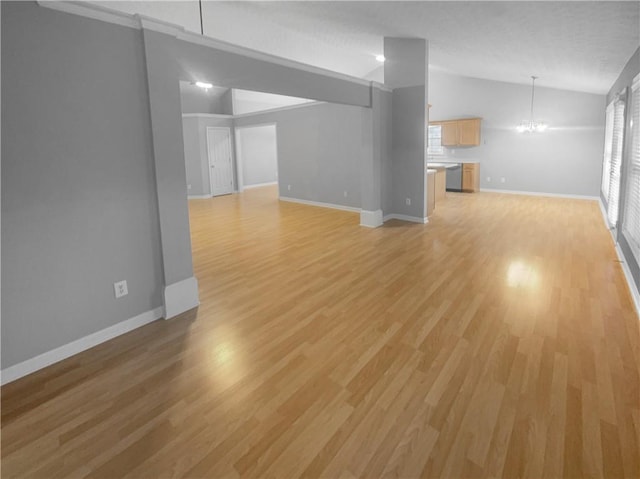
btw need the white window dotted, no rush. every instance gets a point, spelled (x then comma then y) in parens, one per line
(631, 221)
(606, 164)
(617, 139)
(434, 139)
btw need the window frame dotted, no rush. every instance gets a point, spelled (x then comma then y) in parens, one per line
(631, 206)
(438, 149)
(615, 173)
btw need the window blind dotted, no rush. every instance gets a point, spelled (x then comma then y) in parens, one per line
(616, 162)
(631, 220)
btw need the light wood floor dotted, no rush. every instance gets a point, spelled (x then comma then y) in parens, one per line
(499, 340)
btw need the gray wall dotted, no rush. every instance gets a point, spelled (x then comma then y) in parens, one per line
(626, 76)
(565, 159)
(631, 70)
(79, 205)
(409, 180)
(226, 102)
(258, 154)
(94, 177)
(320, 148)
(195, 151)
(383, 137)
(406, 70)
(168, 152)
(194, 156)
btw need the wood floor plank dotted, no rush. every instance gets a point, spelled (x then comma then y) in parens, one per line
(498, 340)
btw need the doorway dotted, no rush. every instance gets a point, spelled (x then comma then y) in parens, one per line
(257, 155)
(220, 162)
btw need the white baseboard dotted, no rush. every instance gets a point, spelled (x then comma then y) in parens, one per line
(63, 352)
(603, 210)
(258, 185)
(371, 219)
(180, 297)
(605, 218)
(635, 294)
(198, 197)
(412, 219)
(322, 205)
(536, 193)
(633, 290)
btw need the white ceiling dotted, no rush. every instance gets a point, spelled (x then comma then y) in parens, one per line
(570, 45)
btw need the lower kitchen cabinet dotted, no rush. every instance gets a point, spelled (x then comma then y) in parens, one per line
(441, 183)
(431, 191)
(471, 177)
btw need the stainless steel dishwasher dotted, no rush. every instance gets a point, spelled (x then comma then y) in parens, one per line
(454, 177)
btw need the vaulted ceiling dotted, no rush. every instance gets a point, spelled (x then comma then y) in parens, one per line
(571, 45)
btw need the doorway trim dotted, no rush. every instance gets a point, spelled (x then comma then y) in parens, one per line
(228, 129)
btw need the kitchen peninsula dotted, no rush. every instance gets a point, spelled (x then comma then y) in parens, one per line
(456, 175)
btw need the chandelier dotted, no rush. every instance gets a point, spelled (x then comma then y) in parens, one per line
(532, 126)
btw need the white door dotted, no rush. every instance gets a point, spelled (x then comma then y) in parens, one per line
(220, 164)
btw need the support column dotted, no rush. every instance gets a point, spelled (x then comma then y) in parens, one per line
(180, 286)
(405, 71)
(372, 188)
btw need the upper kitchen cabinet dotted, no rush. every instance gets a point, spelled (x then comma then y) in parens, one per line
(469, 132)
(449, 133)
(464, 132)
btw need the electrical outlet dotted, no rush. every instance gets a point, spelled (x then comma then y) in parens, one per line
(121, 289)
(188, 187)
(288, 187)
(408, 201)
(502, 179)
(346, 194)
(488, 179)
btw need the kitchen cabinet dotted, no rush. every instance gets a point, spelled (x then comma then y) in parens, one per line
(449, 133)
(464, 132)
(431, 191)
(469, 132)
(471, 177)
(441, 183)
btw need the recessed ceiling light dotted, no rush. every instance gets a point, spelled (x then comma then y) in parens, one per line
(380, 58)
(204, 85)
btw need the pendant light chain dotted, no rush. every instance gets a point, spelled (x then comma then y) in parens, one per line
(533, 88)
(201, 25)
(532, 125)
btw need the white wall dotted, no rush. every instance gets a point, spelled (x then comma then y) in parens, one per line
(257, 154)
(566, 159)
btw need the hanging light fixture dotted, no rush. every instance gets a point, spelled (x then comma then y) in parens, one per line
(205, 86)
(532, 125)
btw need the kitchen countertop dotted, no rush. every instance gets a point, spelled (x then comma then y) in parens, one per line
(452, 160)
(441, 166)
